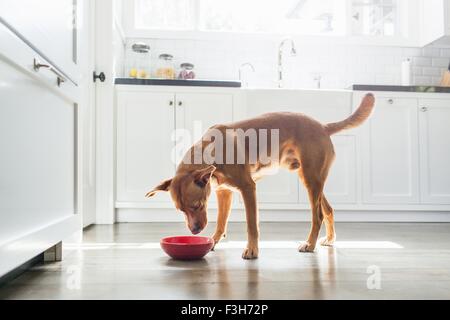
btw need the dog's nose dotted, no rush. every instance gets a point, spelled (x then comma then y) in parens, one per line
(196, 228)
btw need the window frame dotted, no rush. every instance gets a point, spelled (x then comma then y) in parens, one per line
(409, 28)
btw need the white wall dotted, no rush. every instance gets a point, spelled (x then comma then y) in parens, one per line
(339, 65)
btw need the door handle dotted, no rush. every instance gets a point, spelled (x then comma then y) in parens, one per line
(38, 65)
(100, 76)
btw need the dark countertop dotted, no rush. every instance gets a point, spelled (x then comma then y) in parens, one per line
(188, 83)
(417, 89)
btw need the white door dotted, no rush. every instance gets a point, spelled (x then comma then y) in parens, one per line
(87, 111)
(146, 122)
(49, 26)
(389, 144)
(434, 120)
(196, 112)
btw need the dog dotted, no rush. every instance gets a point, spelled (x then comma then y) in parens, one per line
(304, 147)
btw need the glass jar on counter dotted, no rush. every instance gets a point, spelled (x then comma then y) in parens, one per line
(186, 71)
(166, 69)
(139, 65)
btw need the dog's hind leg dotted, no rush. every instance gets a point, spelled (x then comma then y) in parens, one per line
(328, 215)
(313, 173)
(224, 198)
(315, 188)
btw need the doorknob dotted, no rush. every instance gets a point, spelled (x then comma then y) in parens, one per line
(100, 76)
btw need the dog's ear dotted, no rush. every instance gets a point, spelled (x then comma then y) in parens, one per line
(202, 176)
(163, 186)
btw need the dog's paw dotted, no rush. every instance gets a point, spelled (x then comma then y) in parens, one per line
(217, 237)
(326, 242)
(251, 252)
(306, 247)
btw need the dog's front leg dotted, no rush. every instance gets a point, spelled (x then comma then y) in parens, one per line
(251, 211)
(224, 199)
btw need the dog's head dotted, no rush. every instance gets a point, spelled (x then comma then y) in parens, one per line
(190, 192)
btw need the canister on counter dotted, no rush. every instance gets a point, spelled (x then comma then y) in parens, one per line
(139, 65)
(166, 69)
(186, 71)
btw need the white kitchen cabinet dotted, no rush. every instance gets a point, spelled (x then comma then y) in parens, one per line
(196, 112)
(148, 150)
(50, 26)
(39, 176)
(285, 186)
(434, 133)
(145, 124)
(390, 154)
(435, 22)
(340, 186)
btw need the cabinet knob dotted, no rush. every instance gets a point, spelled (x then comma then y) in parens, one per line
(424, 109)
(170, 103)
(390, 101)
(180, 103)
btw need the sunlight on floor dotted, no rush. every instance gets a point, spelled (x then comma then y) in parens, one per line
(237, 245)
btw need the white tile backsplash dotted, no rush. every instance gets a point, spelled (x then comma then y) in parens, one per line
(338, 65)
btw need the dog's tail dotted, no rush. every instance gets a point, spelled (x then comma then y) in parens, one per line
(357, 118)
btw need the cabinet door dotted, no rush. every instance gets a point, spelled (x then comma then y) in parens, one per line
(433, 20)
(50, 26)
(434, 119)
(283, 187)
(38, 143)
(195, 113)
(145, 124)
(390, 168)
(340, 186)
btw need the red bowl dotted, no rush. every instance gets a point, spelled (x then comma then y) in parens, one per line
(187, 247)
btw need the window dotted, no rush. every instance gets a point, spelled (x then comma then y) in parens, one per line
(374, 17)
(294, 17)
(164, 14)
(244, 16)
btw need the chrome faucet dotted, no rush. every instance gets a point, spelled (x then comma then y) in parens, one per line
(241, 67)
(280, 59)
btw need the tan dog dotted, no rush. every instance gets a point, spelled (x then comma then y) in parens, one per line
(304, 146)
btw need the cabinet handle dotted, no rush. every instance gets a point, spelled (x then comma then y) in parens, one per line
(424, 109)
(59, 77)
(180, 103)
(390, 101)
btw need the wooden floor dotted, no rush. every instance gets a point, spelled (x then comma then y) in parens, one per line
(124, 261)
